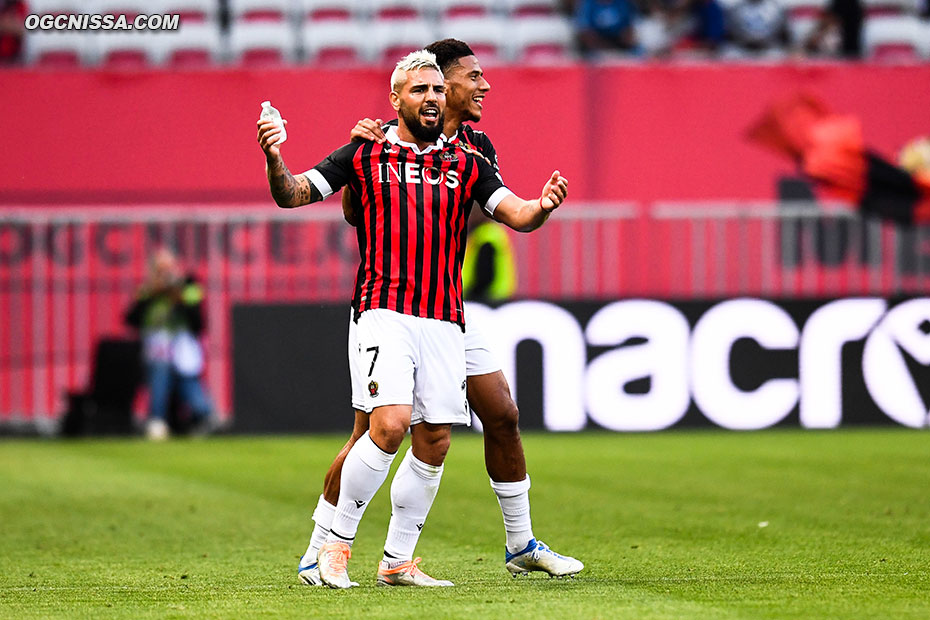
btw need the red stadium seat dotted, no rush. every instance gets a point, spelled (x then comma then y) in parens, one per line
(324, 10)
(260, 43)
(333, 43)
(127, 50)
(542, 39)
(390, 40)
(191, 10)
(885, 8)
(190, 59)
(259, 10)
(397, 9)
(804, 9)
(194, 45)
(896, 52)
(895, 39)
(338, 57)
(486, 36)
(531, 8)
(58, 59)
(457, 9)
(125, 60)
(60, 49)
(262, 57)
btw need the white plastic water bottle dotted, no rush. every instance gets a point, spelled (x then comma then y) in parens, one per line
(270, 113)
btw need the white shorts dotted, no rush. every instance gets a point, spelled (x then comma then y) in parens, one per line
(408, 360)
(479, 358)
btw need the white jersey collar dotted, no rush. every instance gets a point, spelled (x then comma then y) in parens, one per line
(392, 137)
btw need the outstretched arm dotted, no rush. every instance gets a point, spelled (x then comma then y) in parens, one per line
(527, 215)
(287, 190)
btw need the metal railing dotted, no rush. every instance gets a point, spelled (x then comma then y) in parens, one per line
(68, 275)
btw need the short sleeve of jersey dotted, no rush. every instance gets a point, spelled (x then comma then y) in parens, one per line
(489, 189)
(335, 171)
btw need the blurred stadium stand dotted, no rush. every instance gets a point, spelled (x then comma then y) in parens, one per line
(262, 43)
(896, 37)
(454, 9)
(61, 49)
(324, 10)
(262, 257)
(62, 7)
(298, 31)
(129, 8)
(191, 10)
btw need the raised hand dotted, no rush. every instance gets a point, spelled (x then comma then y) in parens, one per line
(268, 135)
(554, 192)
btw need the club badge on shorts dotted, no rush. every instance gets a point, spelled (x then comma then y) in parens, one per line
(373, 388)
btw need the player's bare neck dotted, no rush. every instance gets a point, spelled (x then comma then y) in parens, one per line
(450, 129)
(452, 124)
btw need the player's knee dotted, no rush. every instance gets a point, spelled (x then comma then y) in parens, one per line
(432, 449)
(440, 447)
(502, 420)
(389, 435)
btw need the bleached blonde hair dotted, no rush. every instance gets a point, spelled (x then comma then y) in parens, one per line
(414, 61)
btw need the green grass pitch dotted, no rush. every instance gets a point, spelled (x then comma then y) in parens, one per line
(706, 524)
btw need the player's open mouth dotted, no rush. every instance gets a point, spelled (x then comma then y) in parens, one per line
(431, 114)
(478, 99)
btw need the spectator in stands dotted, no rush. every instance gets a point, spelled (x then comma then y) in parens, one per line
(169, 313)
(694, 25)
(605, 25)
(841, 21)
(757, 27)
(12, 28)
(708, 30)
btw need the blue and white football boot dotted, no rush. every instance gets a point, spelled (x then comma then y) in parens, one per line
(536, 556)
(309, 574)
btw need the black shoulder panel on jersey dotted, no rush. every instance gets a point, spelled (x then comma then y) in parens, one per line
(338, 168)
(482, 143)
(488, 180)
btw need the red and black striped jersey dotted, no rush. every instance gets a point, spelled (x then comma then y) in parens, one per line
(479, 141)
(411, 224)
(470, 137)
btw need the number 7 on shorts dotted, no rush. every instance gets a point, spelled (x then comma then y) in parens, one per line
(374, 358)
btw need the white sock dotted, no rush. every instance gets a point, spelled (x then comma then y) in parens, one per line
(365, 468)
(413, 490)
(322, 519)
(514, 498)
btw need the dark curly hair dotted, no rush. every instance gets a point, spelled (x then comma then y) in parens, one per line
(448, 52)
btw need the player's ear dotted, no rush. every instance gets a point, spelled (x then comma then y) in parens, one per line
(395, 100)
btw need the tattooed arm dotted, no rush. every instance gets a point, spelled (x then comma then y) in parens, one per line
(287, 190)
